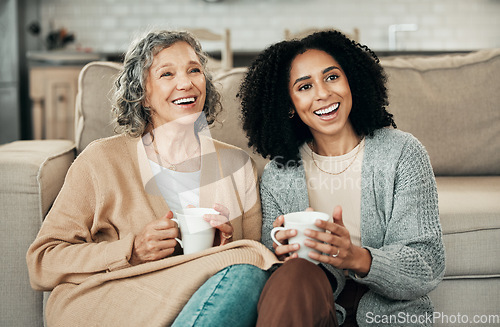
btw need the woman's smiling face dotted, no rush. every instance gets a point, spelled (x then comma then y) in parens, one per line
(320, 92)
(175, 86)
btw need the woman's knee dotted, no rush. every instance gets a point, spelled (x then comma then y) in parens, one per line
(247, 278)
(297, 293)
(229, 298)
(241, 280)
(300, 281)
(301, 271)
(249, 271)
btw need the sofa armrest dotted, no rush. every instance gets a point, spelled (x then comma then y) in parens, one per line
(31, 175)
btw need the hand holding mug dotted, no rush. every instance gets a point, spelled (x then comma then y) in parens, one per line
(336, 248)
(295, 224)
(281, 247)
(197, 234)
(156, 240)
(221, 223)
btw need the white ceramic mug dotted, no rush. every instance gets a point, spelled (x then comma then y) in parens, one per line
(196, 233)
(301, 221)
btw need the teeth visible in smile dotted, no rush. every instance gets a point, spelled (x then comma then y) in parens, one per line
(327, 110)
(184, 100)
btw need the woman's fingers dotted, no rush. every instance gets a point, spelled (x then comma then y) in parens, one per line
(216, 220)
(279, 221)
(222, 210)
(159, 250)
(221, 222)
(165, 245)
(285, 249)
(291, 256)
(284, 235)
(324, 237)
(223, 225)
(327, 248)
(333, 246)
(156, 241)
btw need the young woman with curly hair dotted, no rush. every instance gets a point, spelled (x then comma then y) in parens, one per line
(108, 249)
(317, 108)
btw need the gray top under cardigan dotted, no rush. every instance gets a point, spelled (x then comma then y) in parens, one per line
(399, 226)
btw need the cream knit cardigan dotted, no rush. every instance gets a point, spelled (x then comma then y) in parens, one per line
(82, 250)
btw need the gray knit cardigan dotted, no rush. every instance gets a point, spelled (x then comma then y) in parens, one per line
(399, 226)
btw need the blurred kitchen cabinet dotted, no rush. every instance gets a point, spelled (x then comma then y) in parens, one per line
(53, 92)
(9, 76)
(9, 115)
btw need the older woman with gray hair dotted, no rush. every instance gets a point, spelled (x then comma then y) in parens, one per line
(108, 248)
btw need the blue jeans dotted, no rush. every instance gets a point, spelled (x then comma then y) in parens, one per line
(228, 298)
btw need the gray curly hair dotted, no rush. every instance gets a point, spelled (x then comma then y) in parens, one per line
(130, 115)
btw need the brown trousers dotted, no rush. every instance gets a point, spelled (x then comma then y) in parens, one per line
(299, 293)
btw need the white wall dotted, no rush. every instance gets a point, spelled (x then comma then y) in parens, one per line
(109, 25)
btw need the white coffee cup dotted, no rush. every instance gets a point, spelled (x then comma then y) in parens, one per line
(301, 221)
(196, 233)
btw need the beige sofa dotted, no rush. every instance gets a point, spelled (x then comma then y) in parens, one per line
(451, 103)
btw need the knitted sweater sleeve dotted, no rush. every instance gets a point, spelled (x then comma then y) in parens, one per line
(282, 190)
(64, 250)
(270, 207)
(410, 262)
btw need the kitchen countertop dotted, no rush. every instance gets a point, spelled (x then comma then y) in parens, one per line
(241, 58)
(62, 58)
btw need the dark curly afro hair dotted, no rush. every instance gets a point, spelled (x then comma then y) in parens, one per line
(266, 101)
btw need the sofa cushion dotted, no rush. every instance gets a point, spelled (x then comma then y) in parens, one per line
(229, 127)
(32, 173)
(93, 117)
(458, 302)
(469, 210)
(436, 99)
(35, 168)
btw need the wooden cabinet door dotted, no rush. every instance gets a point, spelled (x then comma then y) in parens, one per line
(53, 93)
